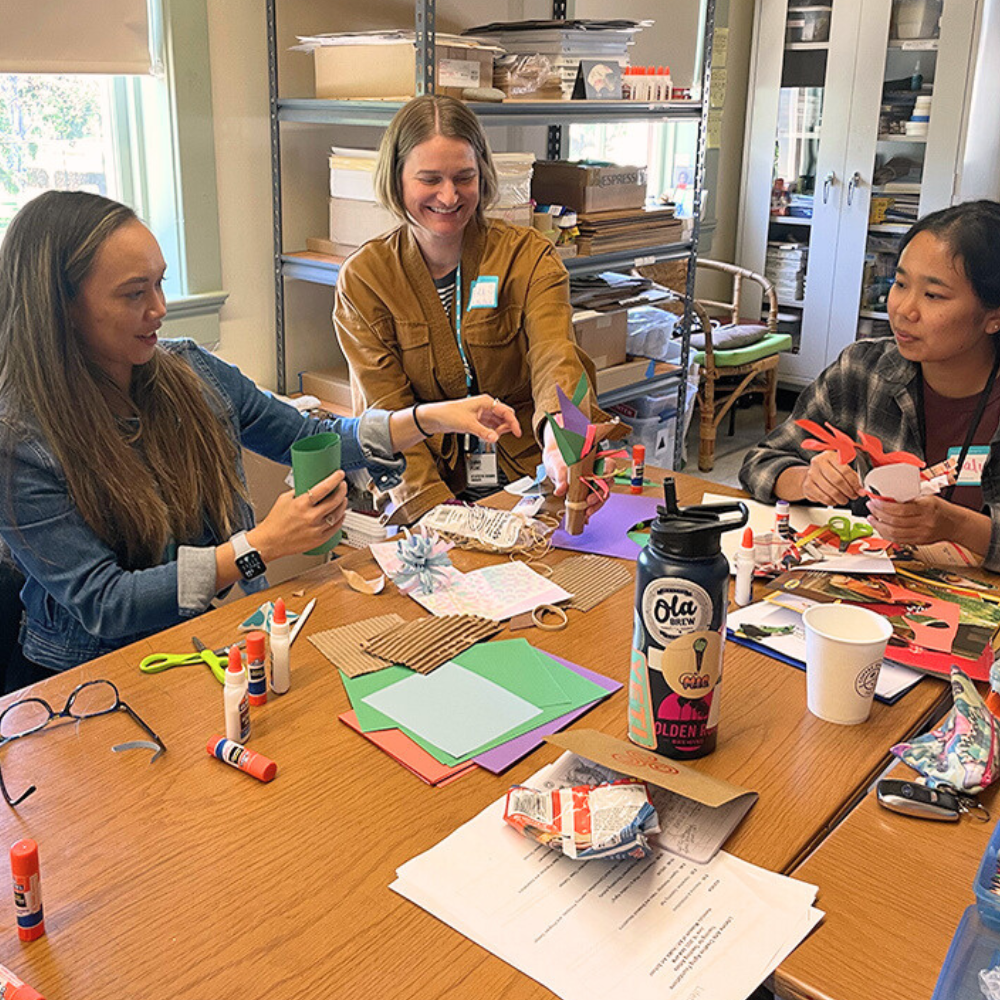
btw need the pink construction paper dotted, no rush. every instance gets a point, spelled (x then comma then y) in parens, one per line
(500, 758)
(606, 533)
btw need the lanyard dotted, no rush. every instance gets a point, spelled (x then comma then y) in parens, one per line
(984, 398)
(458, 331)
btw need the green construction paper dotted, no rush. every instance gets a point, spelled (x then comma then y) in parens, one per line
(570, 444)
(313, 459)
(514, 664)
(581, 390)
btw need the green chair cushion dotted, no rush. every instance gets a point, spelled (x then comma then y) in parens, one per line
(773, 343)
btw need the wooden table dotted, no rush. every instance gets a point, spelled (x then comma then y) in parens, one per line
(185, 878)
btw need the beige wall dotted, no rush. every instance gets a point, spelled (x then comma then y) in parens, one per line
(240, 105)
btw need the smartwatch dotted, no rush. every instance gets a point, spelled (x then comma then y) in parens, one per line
(248, 560)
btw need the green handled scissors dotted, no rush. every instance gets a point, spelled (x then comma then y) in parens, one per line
(847, 531)
(216, 659)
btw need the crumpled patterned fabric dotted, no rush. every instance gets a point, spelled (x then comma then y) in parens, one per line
(964, 752)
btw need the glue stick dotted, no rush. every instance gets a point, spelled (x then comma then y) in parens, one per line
(240, 757)
(744, 569)
(236, 700)
(27, 890)
(281, 672)
(12, 988)
(782, 524)
(256, 669)
(638, 468)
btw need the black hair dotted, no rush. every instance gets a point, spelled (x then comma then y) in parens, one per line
(972, 232)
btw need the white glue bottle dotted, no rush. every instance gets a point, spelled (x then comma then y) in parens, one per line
(744, 569)
(236, 699)
(281, 671)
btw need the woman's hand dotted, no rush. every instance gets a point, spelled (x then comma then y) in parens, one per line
(296, 524)
(482, 415)
(916, 522)
(558, 472)
(824, 480)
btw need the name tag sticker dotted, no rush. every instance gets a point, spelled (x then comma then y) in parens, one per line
(484, 292)
(971, 473)
(481, 469)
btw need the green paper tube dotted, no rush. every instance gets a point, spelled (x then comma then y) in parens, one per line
(313, 459)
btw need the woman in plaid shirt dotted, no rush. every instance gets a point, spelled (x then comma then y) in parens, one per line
(929, 389)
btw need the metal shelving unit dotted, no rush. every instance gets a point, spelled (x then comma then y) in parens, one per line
(554, 114)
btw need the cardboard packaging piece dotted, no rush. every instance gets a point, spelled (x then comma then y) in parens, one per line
(329, 386)
(619, 376)
(588, 187)
(389, 71)
(353, 223)
(603, 335)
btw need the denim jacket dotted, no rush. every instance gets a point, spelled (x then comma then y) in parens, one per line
(79, 602)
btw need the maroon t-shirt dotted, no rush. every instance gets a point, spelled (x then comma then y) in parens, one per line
(947, 422)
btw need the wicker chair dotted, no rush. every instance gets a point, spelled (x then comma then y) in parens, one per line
(727, 374)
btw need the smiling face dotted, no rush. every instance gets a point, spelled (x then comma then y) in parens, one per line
(440, 182)
(120, 303)
(935, 314)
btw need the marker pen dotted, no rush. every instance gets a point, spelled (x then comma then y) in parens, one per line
(27, 890)
(281, 673)
(236, 755)
(12, 988)
(744, 569)
(638, 468)
(256, 669)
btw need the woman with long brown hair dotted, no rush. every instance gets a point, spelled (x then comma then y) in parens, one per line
(122, 493)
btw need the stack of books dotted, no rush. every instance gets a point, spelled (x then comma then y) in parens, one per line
(627, 229)
(785, 267)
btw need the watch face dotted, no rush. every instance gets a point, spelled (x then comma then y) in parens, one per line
(250, 565)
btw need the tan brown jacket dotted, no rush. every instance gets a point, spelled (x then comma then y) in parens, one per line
(402, 349)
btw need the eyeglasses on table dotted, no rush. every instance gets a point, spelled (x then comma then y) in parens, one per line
(85, 701)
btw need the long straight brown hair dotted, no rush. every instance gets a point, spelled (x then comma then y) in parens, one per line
(137, 484)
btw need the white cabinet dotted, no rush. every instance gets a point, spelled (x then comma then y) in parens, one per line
(828, 118)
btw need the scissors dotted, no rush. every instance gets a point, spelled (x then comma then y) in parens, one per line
(216, 659)
(848, 532)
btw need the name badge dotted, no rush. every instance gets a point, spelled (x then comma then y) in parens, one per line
(971, 473)
(484, 292)
(481, 465)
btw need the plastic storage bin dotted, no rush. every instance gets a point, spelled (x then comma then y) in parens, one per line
(975, 946)
(988, 902)
(915, 19)
(656, 434)
(808, 24)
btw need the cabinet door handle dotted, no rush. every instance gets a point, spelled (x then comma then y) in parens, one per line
(831, 178)
(854, 183)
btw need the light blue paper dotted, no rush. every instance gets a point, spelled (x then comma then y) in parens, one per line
(453, 708)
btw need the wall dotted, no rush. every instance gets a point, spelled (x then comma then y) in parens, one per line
(240, 106)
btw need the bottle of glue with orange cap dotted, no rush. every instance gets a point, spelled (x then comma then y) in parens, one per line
(744, 569)
(281, 671)
(236, 699)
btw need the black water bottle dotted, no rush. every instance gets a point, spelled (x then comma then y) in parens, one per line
(681, 595)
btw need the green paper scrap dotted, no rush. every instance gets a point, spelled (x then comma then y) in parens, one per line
(514, 664)
(570, 444)
(313, 459)
(581, 390)
(626, 480)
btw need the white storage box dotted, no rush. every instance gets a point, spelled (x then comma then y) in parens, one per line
(352, 174)
(514, 177)
(808, 24)
(353, 223)
(656, 435)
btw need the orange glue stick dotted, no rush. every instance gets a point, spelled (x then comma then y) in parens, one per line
(11, 988)
(237, 755)
(27, 890)
(638, 468)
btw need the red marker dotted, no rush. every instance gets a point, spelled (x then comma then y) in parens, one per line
(237, 755)
(27, 890)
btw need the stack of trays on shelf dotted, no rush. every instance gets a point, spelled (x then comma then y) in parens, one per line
(564, 43)
(785, 267)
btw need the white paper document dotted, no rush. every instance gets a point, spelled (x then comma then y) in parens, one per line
(653, 929)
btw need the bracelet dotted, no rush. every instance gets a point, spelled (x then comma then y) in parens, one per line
(416, 422)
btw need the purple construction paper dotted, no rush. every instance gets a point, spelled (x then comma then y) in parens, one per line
(573, 418)
(500, 758)
(606, 533)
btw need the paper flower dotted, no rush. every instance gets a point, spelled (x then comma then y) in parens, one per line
(424, 560)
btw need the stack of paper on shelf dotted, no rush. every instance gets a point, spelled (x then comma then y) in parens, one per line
(490, 705)
(627, 229)
(653, 929)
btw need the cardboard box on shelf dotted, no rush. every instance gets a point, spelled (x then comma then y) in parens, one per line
(389, 70)
(619, 376)
(329, 385)
(353, 223)
(602, 335)
(518, 215)
(588, 187)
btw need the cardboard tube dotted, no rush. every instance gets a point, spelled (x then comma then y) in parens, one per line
(577, 493)
(313, 459)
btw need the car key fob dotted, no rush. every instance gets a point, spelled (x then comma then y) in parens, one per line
(912, 799)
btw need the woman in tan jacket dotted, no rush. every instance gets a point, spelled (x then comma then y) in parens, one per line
(451, 304)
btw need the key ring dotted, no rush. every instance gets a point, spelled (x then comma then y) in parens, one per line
(969, 804)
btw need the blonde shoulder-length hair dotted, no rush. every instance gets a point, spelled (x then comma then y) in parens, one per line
(416, 122)
(138, 483)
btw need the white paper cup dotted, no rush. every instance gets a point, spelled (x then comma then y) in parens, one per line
(844, 649)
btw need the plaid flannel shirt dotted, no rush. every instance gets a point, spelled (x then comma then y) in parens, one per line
(871, 387)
